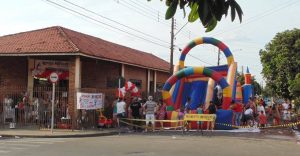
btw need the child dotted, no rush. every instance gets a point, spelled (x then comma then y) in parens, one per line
(199, 111)
(262, 119)
(180, 118)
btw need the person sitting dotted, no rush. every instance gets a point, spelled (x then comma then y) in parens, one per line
(249, 116)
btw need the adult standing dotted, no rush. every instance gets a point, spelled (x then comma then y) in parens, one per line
(286, 113)
(276, 115)
(150, 107)
(260, 108)
(237, 109)
(114, 105)
(211, 110)
(135, 107)
(121, 106)
(162, 112)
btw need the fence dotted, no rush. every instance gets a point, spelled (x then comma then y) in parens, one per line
(22, 108)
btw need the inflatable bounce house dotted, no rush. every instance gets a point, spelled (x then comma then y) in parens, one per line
(205, 84)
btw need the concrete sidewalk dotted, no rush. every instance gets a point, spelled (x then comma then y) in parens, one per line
(57, 133)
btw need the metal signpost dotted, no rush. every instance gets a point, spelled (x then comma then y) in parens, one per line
(53, 78)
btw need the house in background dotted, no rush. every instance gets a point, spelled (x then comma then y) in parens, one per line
(83, 63)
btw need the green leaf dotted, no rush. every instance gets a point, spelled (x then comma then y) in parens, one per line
(211, 25)
(184, 13)
(218, 7)
(171, 10)
(232, 6)
(203, 11)
(226, 7)
(239, 10)
(168, 2)
(193, 16)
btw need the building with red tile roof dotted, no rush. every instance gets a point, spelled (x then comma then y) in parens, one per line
(84, 64)
(62, 41)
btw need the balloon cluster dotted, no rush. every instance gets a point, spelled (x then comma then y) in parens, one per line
(129, 87)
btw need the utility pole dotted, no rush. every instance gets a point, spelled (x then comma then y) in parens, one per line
(219, 52)
(172, 47)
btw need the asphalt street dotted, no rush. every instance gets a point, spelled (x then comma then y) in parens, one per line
(150, 145)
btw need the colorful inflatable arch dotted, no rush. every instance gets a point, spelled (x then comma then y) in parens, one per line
(207, 40)
(230, 74)
(187, 72)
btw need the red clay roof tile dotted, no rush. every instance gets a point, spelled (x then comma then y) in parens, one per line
(62, 40)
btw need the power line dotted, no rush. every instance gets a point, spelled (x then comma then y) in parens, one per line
(258, 17)
(110, 26)
(93, 19)
(151, 10)
(254, 18)
(181, 28)
(200, 59)
(195, 57)
(82, 17)
(147, 8)
(148, 35)
(141, 12)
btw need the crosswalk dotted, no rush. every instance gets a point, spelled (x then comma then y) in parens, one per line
(15, 145)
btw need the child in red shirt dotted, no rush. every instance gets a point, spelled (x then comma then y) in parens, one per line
(262, 119)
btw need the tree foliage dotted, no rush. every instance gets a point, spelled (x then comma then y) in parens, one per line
(257, 89)
(294, 87)
(208, 11)
(281, 62)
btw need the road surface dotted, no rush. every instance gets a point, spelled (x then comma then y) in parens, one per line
(151, 145)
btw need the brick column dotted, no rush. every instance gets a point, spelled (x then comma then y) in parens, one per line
(74, 86)
(123, 70)
(155, 81)
(30, 80)
(148, 81)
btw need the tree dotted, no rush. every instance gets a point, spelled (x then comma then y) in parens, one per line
(267, 91)
(256, 87)
(294, 87)
(281, 61)
(209, 11)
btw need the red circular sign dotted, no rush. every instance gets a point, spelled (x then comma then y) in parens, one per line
(53, 77)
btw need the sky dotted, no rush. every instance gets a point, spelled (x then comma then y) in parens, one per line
(140, 24)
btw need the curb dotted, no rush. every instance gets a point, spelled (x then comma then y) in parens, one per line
(61, 136)
(297, 134)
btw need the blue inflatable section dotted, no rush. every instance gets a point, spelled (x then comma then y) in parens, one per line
(221, 68)
(234, 89)
(198, 93)
(247, 93)
(195, 90)
(186, 92)
(224, 117)
(176, 89)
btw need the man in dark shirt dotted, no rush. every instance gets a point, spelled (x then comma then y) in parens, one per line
(211, 110)
(135, 112)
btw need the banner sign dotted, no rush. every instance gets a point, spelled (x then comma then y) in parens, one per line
(90, 100)
(200, 117)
